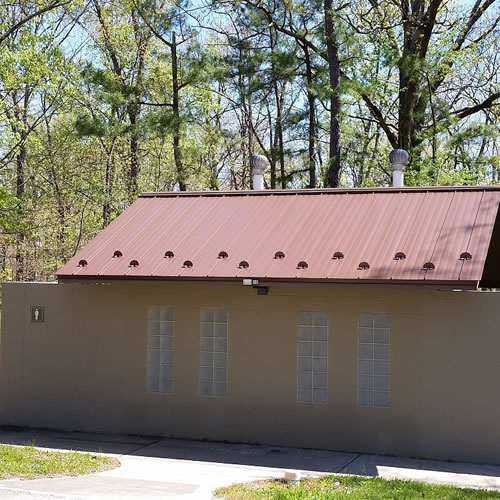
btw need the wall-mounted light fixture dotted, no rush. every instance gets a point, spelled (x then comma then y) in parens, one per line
(250, 282)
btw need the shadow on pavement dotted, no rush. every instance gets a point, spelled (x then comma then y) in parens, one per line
(229, 453)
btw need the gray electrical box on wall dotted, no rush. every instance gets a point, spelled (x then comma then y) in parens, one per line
(37, 314)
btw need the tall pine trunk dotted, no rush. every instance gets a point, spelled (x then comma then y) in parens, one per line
(333, 175)
(311, 133)
(21, 127)
(179, 167)
(109, 177)
(20, 190)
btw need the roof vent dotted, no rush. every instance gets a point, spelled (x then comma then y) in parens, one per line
(338, 256)
(187, 264)
(400, 256)
(222, 255)
(465, 256)
(117, 254)
(302, 265)
(82, 263)
(429, 266)
(169, 254)
(363, 266)
(243, 264)
(279, 255)
(134, 263)
(398, 159)
(258, 163)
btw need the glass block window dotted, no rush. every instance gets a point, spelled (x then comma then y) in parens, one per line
(160, 349)
(213, 352)
(373, 359)
(312, 357)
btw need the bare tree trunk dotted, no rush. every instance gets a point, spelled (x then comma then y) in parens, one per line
(133, 184)
(278, 149)
(280, 100)
(249, 126)
(108, 182)
(20, 190)
(21, 127)
(273, 147)
(334, 78)
(134, 107)
(246, 126)
(60, 208)
(312, 120)
(418, 23)
(134, 110)
(3, 258)
(179, 168)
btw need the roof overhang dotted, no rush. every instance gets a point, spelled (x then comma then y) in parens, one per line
(440, 285)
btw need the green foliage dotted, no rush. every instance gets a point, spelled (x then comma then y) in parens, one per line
(86, 125)
(10, 209)
(349, 487)
(77, 97)
(28, 462)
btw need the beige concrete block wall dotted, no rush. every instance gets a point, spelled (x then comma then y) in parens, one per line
(85, 367)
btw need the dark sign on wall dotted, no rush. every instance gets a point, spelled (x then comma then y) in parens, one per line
(37, 314)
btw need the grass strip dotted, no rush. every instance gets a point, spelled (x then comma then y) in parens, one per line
(349, 487)
(28, 462)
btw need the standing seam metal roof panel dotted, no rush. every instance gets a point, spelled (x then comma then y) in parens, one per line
(396, 228)
(480, 236)
(370, 226)
(455, 234)
(172, 238)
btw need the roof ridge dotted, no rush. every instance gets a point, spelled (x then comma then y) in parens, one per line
(323, 191)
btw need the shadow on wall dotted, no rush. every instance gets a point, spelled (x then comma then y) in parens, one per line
(229, 453)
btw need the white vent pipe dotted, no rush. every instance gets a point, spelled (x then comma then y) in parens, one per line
(398, 159)
(258, 163)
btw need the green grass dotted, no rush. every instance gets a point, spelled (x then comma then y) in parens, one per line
(348, 487)
(28, 462)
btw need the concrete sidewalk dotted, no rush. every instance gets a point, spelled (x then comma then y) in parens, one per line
(169, 468)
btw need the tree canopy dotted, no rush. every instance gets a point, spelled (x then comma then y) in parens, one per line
(101, 99)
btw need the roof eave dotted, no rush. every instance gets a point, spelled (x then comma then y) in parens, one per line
(196, 280)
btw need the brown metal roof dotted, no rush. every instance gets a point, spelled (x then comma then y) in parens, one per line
(293, 235)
